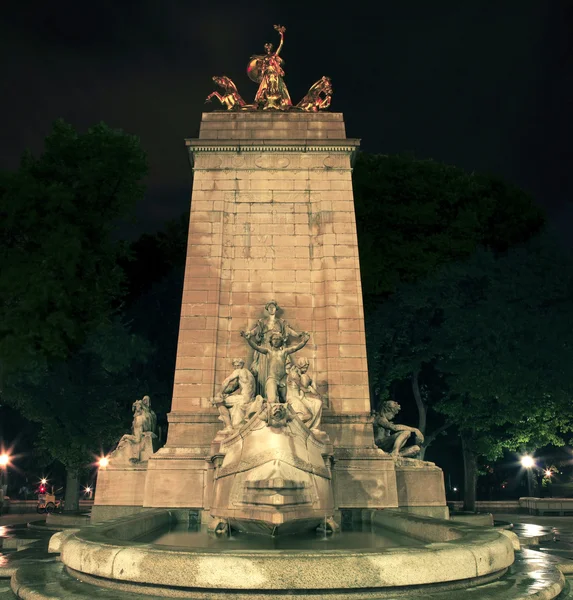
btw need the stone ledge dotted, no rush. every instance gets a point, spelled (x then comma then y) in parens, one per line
(463, 553)
(49, 581)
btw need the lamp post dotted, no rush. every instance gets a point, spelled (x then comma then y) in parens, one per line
(528, 464)
(4, 462)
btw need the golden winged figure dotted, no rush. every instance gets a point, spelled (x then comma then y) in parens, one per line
(267, 70)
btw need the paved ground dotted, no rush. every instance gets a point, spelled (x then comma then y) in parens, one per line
(24, 518)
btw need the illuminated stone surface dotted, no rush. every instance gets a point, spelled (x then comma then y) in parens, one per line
(272, 216)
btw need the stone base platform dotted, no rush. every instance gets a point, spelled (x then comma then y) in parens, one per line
(363, 478)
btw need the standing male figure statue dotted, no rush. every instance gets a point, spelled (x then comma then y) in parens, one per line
(261, 332)
(276, 354)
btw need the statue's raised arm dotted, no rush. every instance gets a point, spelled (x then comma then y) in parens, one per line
(252, 344)
(281, 29)
(300, 345)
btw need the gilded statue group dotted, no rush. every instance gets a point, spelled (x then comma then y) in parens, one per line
(274, 376)
(267, 70)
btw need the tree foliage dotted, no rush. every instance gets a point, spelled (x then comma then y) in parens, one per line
(60, 275)
(493, 328)
(82, 404)
(506, 345)
(414, 215)
(67, 362)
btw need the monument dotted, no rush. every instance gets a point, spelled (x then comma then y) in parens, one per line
(272, 235)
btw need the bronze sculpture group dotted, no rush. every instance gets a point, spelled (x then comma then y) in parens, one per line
(267, 70)
(273, 377)
(276, 380)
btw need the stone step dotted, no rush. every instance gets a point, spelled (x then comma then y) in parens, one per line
(46, 581)
(19, 537)
(12, 560)
(567, 593)
(49, 581)
(533, 535)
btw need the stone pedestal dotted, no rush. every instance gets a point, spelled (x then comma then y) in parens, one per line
(119, 492)
(420, 488)
(272, 217)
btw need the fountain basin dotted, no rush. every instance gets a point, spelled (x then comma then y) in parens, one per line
(110, 555)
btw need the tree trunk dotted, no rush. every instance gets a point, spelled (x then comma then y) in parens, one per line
(531, 483)
(470, 475)
(433, 436)
(422, 411)
(72, 499)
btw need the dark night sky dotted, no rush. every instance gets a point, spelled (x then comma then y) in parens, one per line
(483, 84)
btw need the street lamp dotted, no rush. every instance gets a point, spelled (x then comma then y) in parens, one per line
(4, 462)
(103, 462)
(528, 464)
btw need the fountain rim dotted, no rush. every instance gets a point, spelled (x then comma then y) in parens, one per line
(457, 552)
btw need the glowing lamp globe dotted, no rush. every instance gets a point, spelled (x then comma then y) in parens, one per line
(527, 462)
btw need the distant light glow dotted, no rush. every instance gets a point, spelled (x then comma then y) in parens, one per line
(548, 473)
(455, 489)
(43, 481)
(103, 462)
(88, 489)
(4, 459)
(527, 462)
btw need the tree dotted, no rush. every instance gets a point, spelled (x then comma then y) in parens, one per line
(61, 283)
(154, 257)
(414, 215)
(492, 328)
(60, 277)
(402, 346)
(82, 404)
(154, 276)
(506, 350)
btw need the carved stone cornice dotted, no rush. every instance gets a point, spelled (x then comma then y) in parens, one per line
(348, 146)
